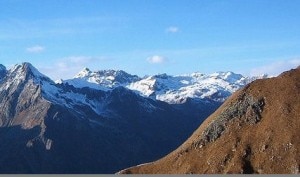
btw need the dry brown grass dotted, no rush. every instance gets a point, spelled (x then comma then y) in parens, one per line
(268, 146)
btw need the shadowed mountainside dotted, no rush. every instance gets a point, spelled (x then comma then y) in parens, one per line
(47, 127)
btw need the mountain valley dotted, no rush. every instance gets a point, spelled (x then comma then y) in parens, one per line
(100, 122)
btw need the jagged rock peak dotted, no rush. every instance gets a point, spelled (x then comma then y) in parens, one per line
(106, 78)
(27, 70)
(84, 73)
(24, 67)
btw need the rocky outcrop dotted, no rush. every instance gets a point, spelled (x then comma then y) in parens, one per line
(247, 109)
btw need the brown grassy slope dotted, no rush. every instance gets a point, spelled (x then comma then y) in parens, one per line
(255, 131)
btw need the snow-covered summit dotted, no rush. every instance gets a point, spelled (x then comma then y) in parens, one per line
(176, 89)
(86, 72)
(27, 71)
(26, 76)
(103, 79)
(21, 73)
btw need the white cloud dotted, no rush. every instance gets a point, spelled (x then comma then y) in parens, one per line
(276, 68)
(156, 59)
(78, 60)
(172, 29)
(68, 67)
(35, 49)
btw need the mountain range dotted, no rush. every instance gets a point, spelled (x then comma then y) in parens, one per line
(171, 89)
(103, 121)
(256, 131)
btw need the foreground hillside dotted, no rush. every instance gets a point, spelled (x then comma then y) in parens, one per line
(255, 131)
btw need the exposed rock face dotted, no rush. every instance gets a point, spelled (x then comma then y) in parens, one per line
(255, 131)
(246, 108)
(18, 100)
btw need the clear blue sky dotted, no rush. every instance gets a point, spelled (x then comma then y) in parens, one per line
(60, 37)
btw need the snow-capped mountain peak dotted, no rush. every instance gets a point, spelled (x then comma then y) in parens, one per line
(176, 89)
(228, 76)
(84, 73)
(197, 75)
(26, 71)
(103, 79)
(22, 73)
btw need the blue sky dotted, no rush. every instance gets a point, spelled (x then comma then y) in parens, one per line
(145, 37)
